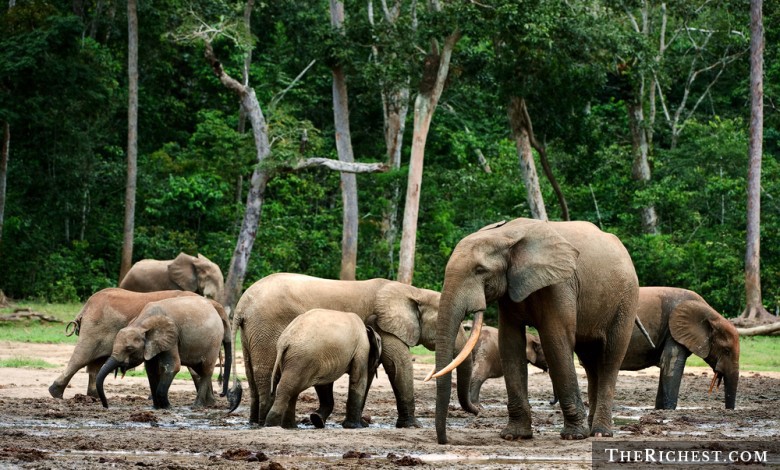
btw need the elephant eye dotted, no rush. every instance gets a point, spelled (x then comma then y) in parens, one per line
(480, 269)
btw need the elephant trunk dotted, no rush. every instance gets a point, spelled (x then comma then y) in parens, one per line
(110, 365)
(450, 317)
(730, 387)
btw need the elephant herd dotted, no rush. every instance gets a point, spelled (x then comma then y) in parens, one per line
(575, 284)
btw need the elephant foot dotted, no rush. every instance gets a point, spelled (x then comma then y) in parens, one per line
(352, 424)
(56, 391)
(515, 430)
(600, 431)
(407, 423)
(162, 404)
(573, 433)
(317, 420)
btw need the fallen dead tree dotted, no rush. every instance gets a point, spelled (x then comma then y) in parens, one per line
(27, 314)
(769, 329)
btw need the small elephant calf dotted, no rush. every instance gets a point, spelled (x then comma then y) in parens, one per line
(317, 348)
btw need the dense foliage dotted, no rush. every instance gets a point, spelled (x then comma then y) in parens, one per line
(63, 93)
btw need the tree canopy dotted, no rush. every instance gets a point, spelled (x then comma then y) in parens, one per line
(577, 64)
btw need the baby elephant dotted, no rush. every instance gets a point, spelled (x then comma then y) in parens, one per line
(316, 349)
(168, 334)
(487, 361)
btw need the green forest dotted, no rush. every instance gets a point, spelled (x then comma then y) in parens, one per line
(603, 86)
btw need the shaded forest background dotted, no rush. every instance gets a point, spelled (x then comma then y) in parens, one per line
(580, 66)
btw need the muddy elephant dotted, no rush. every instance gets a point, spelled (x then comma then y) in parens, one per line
(405, 316)
(574, 283)
(680, 322)
(102, 316)
(487, 360)
(170, 333)
(185, 272)
(317, 348)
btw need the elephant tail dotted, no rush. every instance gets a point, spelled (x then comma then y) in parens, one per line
(276, 375)
(229, 343)
(76, 324)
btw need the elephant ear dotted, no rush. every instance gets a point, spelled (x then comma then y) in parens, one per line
(398, 312)
(689, 324)
(160, 334)
(538, 257)
(374, 349)
(182, 272)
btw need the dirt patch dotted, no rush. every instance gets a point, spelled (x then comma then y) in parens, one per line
(76, 432)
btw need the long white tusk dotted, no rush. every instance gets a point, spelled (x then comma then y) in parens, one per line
(464, 353)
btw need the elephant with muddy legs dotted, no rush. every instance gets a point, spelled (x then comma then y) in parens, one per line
(166, 335)
(102, 316)
(487, 360)
(680, 322)
(317, 348)
(185, 272)
(405, 316)
(574, 283)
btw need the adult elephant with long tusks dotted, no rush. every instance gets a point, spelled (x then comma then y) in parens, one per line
(681, 322)
(185, 272)
(403, 315)
(574, 283)
(166, 335)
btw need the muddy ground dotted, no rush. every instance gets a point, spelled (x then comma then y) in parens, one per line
(37, 431)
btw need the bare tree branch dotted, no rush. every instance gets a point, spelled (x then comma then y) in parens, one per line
(337, 165)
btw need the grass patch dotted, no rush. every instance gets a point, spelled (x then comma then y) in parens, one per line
(423, 355)
(37, 331)
(756, 353)
(20, 362)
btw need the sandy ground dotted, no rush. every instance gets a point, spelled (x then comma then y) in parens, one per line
(37, 431)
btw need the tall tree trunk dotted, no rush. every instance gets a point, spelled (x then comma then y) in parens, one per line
(435, 73)
(349, 238)
(754, 309)
(396, 107)
(526, 159)
(132, 137)
(257, 184)
(4, 153)
(640, 168)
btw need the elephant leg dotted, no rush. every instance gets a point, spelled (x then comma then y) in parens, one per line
(591, 371)
(325, 395)
(254, 399)
(203, 386)
(169, 366)
(511, 343)
(356, 397)
(152, 367)
(263, 356)
(607, 365)
(80, 358)
(557, 342)
(672, 364)
(398, 366)
(282, 413)
(92, 370)
(474, 389)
